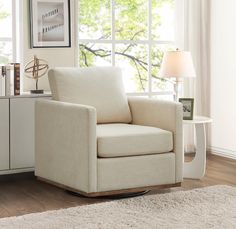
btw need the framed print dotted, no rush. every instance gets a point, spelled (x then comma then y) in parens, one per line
(50, 23)
(188, 104)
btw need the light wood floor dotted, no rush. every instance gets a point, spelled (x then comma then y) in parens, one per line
(22, 193)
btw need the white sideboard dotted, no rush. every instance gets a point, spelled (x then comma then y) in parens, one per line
(17, 133)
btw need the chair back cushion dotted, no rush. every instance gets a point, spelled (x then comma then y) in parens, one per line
(100, 87)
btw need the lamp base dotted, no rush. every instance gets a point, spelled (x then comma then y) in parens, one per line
(178, 90)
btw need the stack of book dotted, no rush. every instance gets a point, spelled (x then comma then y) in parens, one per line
(10, 79)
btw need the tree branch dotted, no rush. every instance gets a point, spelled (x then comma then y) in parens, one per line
(141, 63)
(85, 58)
(139, 75)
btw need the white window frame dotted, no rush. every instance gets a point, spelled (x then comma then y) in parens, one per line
(15, 39)
(179, 42)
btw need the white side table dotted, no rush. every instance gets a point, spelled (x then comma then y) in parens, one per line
(195, 169)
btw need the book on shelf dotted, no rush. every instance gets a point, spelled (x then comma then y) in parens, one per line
(16, 79)
(2, 80)
(10, 80)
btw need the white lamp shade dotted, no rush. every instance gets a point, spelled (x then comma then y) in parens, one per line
(177, 64)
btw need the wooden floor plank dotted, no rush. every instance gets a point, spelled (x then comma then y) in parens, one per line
(23, 193)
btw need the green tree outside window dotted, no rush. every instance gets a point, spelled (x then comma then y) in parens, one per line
(130, 29)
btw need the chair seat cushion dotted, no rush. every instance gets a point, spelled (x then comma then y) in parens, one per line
(120, 140)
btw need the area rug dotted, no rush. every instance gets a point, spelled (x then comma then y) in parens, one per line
(210, 207)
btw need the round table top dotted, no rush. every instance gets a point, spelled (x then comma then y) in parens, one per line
(198, 119)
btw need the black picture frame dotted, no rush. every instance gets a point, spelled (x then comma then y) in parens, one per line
(50, 23)
(188, 108)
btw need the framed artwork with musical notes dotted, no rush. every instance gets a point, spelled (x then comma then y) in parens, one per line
(50, 23)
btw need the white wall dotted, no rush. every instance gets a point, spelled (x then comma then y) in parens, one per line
(223, 76)
(56, 57)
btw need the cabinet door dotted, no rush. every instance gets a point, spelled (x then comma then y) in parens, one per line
(4, 134)
(22, 132)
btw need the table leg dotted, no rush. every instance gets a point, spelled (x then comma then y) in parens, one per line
(195, 169)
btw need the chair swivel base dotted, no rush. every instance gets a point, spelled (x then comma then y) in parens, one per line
(121, 193)
(115, 196)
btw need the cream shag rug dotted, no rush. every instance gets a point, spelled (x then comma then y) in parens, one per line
(211, 207)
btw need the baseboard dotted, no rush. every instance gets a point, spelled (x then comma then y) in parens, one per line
(13, 171)
(222, 152)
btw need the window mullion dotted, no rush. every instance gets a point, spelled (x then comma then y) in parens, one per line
(6, 39)
(13, 31)
(78, 41)
(149, 47)
(127, 41)
(113, 32)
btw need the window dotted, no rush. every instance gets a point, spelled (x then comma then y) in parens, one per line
(6, 32)
(132, 34)
(9, 31)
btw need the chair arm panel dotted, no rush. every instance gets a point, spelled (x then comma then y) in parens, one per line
(65, 144)
(166, 115)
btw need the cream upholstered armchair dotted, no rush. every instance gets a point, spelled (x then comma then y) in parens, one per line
(93, 140)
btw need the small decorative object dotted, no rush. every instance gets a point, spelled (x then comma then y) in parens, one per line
(9, 80)
(3, 72)
(188, 104)
(35, 69)
(50, 23)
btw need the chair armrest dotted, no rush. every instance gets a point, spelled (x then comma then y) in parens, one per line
(166, 115)
(65, 144)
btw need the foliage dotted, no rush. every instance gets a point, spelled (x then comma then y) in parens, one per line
(131, 24)
(94, 19)
(131, 19)
(3, 13)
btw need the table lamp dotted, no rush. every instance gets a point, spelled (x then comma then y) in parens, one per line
(177, 64)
